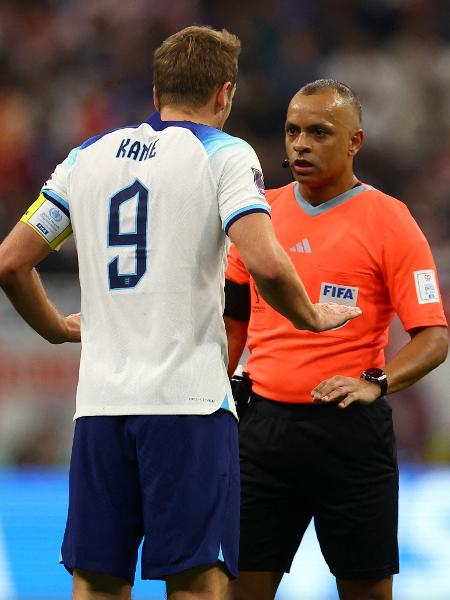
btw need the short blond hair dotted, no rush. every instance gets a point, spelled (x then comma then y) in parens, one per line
(190, 64)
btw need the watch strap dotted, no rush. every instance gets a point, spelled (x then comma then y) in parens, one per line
(377, 376)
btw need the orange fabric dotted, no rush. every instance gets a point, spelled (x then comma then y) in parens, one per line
(369, 242)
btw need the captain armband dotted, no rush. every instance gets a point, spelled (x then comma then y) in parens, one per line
(237, 300)
(50, 219)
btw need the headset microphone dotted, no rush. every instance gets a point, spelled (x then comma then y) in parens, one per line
(285, 163)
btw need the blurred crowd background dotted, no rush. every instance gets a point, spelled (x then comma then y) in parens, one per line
(70, 69)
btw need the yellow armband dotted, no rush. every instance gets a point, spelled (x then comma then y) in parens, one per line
(50, 220)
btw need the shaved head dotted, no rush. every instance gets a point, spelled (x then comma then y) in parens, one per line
(322, 136)
(342, 93)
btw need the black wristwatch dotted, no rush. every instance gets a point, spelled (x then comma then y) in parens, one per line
(377, 376)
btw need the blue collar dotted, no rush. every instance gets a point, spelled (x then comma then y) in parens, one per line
(155, 122)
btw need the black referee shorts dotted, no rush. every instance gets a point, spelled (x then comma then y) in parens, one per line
(337, 466)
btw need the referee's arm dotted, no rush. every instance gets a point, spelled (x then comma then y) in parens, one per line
(236, 316)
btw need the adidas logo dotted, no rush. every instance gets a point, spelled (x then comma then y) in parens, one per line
(302, 246)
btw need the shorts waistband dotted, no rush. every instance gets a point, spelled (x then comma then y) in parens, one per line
(299, 411)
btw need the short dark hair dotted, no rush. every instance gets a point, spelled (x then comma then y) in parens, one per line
(190, 64)
(344, 91)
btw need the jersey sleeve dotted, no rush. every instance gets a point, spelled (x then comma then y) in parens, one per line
(241, 184)
(49, 215)
(410, 273)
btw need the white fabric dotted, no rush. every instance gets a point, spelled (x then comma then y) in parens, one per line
(158, 347)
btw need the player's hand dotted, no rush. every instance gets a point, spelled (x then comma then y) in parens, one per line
(72, 323)
(331, 315)
(345, 390)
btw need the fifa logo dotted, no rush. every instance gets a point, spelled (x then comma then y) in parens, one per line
(338, 292)
(341, 294)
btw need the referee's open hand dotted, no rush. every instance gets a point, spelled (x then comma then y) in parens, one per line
(345, 390)
(331, 315)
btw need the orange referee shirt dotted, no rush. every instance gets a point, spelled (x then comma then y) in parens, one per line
(361, 248)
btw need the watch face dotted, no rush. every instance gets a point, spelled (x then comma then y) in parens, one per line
(377, 376)
(374, 372)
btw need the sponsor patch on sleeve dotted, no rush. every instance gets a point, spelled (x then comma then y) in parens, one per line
(259, 181)
(426, 286)
(50, 220)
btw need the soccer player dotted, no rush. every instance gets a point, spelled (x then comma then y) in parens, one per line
(316, 439)
(155, 452)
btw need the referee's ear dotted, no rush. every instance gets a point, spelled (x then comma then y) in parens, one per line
(355, 142)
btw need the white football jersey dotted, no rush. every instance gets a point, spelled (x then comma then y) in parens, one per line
(149, 207)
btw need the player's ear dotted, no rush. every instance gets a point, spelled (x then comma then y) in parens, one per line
(224, 95)
(355, 142)
(155, 99)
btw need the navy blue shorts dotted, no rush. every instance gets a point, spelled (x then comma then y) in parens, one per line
(170, 479)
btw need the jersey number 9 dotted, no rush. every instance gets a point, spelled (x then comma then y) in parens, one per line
(136, 238)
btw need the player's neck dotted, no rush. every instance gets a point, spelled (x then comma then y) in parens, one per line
(202, 115)
(328, 191)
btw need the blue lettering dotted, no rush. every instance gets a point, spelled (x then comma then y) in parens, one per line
(134, 150)
(121, 150)
(144, 153)
(338, 291)
(42, 228)
(148, 151)
(153, 149)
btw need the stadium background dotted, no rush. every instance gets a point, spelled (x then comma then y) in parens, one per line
(70, 69)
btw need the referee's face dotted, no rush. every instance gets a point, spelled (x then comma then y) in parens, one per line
(322, 135)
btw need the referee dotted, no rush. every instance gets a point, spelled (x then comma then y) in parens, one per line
(316, 439)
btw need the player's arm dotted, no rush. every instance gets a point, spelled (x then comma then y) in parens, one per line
(276, 278)
(20, 252)
(426, 350)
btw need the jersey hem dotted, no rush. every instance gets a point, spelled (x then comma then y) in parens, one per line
(160, 410)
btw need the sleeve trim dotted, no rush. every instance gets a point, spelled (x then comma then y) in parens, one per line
(253, 208)
(435, 320)
(62, 204)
